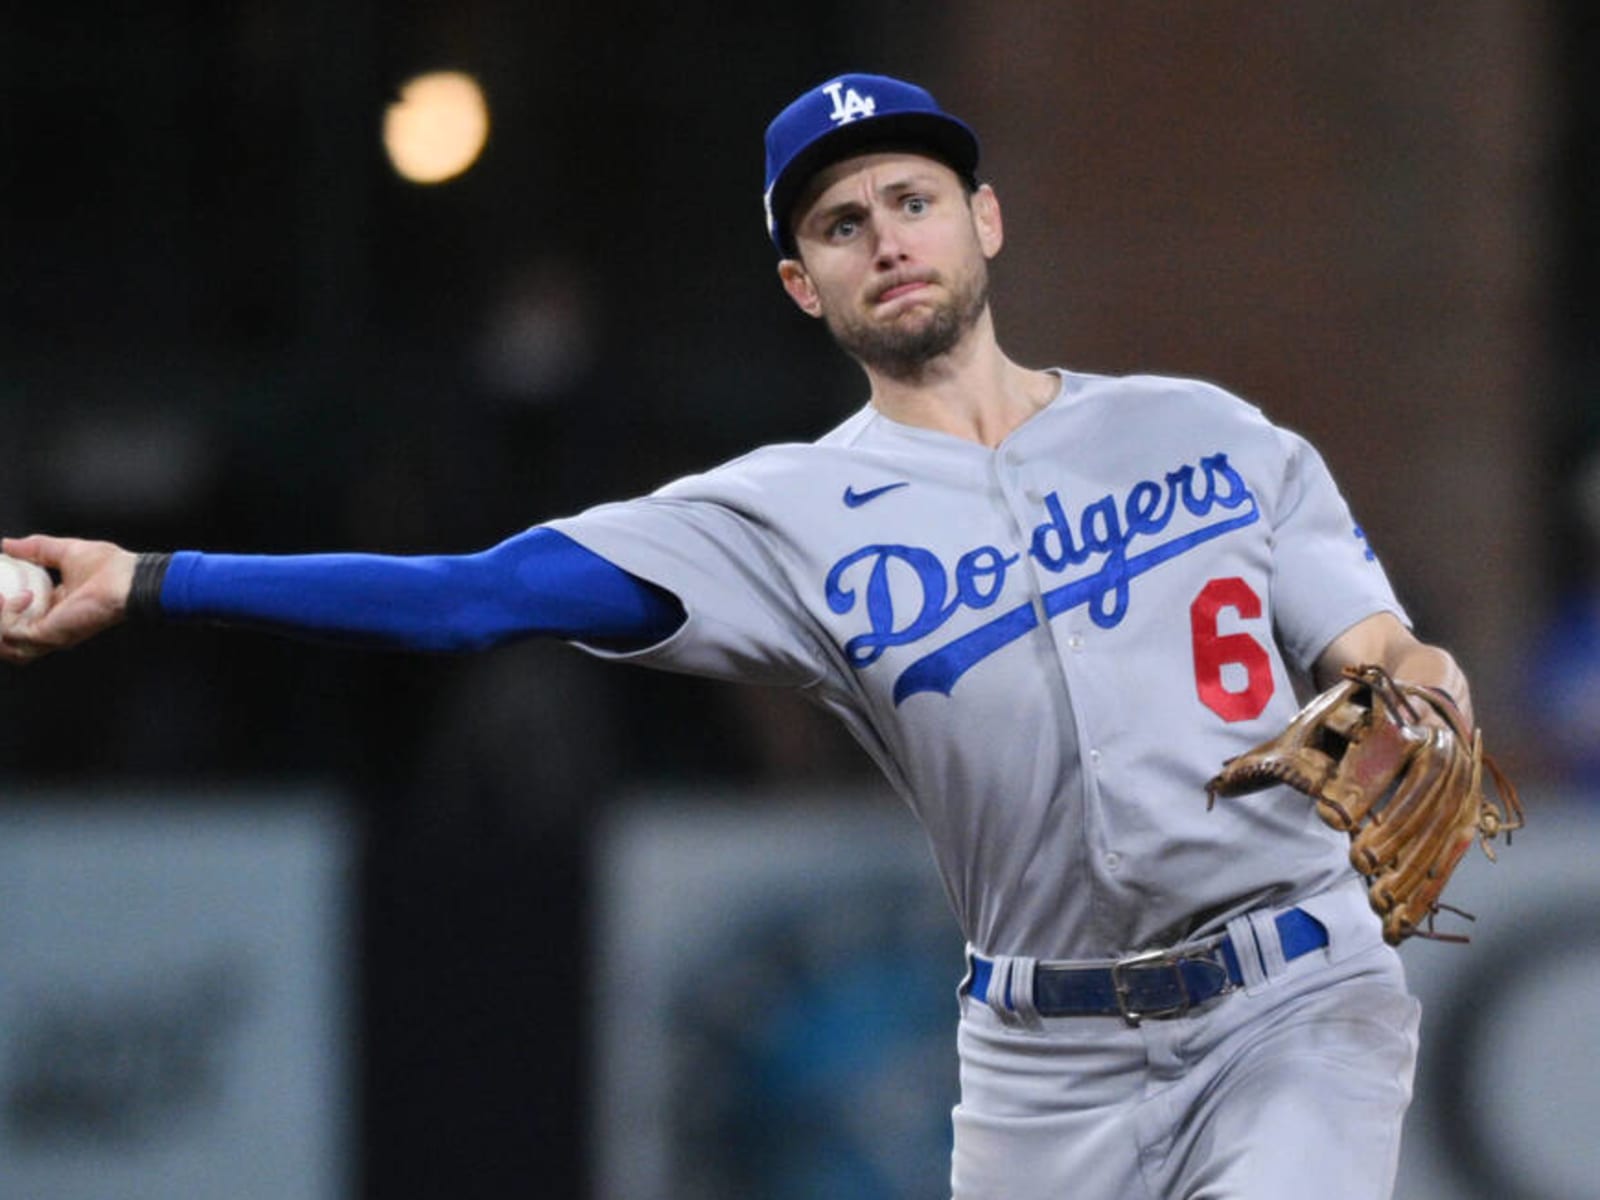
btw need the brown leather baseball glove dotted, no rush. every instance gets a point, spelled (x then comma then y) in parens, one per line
(1394, 766)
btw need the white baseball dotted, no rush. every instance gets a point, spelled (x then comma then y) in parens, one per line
(17, 575)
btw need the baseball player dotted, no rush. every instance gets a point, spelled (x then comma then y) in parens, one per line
(1048, 604)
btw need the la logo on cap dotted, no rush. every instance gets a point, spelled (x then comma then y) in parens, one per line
(850, 105)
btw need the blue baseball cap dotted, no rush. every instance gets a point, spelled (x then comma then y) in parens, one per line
(848, 114)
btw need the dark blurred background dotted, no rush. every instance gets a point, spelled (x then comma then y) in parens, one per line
(227, 323)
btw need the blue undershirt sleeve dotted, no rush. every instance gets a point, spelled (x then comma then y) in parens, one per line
(538, 583)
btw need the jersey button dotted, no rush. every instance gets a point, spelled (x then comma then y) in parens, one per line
(1113, 861)
(1094, 758)
(1075, 641)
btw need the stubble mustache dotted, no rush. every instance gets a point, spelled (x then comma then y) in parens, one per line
(902, 348)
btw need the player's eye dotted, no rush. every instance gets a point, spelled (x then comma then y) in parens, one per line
(844, 228)
(915, 205)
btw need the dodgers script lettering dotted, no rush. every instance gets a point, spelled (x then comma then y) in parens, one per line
(907, 593)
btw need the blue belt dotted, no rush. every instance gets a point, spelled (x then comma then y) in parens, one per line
(1156, 984)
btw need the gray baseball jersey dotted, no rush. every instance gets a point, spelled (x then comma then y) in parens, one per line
(1048, 647)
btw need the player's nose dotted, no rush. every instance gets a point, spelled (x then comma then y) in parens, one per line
(889, 249)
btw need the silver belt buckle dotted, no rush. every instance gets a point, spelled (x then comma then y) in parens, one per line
(1169, 958)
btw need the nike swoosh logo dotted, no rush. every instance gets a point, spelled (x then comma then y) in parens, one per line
(855, 499)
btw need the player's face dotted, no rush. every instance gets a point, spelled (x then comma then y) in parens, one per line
(893, 254)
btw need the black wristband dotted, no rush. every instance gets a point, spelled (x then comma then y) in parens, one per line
(144, 597)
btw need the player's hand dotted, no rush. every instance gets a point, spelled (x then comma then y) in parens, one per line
(92, 596)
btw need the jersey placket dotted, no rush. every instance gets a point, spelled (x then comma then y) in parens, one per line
(1023, 480)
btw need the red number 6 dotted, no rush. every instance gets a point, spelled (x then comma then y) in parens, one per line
(1214, 650)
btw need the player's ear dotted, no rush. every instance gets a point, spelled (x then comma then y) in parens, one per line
(986, 219)
(792, 273)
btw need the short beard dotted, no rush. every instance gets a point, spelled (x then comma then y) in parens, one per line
(903, 350)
